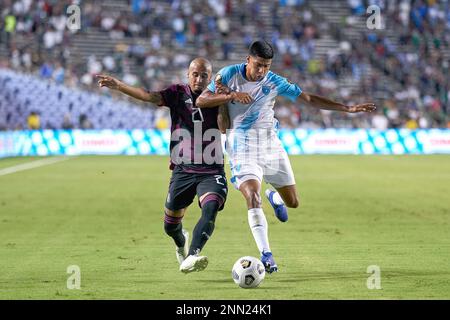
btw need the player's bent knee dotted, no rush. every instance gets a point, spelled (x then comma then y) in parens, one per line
(212, 199)
(251, 193)
(254, 199)
(293, 203)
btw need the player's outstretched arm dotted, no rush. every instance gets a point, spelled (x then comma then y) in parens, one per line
(327, 104)
(137, 93)
(223, 119)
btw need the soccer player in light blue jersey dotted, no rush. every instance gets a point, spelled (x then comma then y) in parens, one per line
(255, 151)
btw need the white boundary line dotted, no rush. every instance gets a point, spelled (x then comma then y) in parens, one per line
(31, 165)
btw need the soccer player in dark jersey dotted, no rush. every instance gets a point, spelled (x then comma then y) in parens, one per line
(196, 159)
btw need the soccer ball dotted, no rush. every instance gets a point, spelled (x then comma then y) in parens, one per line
(248, 272)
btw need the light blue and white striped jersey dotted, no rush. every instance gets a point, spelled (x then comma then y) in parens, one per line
(259, 114)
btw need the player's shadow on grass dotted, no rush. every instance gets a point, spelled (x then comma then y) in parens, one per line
(297, 277)
(319, 276)
(224, 280)
(229, 281)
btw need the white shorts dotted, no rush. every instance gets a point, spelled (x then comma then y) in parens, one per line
(270, 164)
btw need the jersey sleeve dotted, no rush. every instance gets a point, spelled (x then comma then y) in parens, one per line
(227, 73)
(169, 96)
(285, 88)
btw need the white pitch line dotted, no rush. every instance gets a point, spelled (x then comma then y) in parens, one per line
(31, 165)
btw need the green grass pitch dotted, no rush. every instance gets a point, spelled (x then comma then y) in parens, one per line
(105, 215)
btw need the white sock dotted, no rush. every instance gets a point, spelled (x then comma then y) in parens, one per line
(276, 197)
(258, 225)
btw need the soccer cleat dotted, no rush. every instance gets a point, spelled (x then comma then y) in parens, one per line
(182, 252)
(280, 209)
(269, 262)
(194, 263)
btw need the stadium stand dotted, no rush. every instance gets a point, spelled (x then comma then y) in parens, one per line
(325, 46)
(59, 107)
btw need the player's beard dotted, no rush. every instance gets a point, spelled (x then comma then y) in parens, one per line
(197, 91)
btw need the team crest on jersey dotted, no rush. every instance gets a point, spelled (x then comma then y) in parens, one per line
(266, 90)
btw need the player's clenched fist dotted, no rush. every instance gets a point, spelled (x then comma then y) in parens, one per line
(241, 97)
(108, 81)
(220, 87)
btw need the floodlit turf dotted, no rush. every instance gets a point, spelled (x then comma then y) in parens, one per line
(105, 215)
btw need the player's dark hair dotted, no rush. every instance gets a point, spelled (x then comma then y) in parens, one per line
(262, 49)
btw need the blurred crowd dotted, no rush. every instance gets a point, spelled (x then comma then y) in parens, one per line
(416, 55)
(149, 43)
